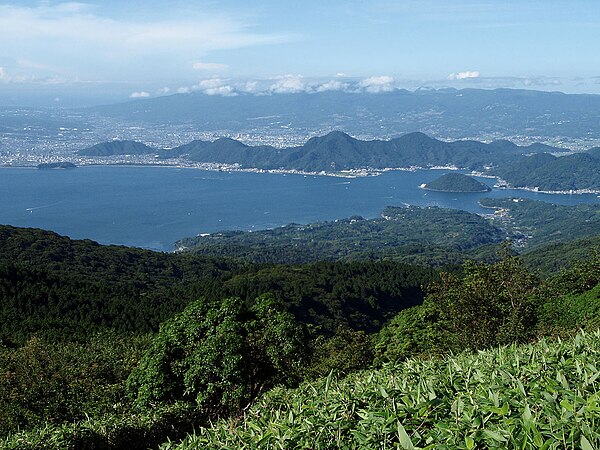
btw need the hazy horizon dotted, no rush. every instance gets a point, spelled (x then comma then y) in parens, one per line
(88, 53)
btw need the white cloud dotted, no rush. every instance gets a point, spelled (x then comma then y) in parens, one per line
(140, 94)
(333, 85)
(215, 86)
(464, 75)
(377, 84)
(4, 76)
(209, 67)
(288, 84)
(163, 91)
(226, 91)
(211, 83)
(251, 87)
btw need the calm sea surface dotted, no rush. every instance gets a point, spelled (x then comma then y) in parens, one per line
(152, 207)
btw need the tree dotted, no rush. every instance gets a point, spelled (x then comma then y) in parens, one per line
(221, 356)
(493, 304)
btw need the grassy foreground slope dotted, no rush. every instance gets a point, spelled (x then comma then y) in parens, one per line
(543, 395)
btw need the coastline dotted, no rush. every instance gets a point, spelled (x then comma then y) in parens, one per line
(455, 192)
(348, 173)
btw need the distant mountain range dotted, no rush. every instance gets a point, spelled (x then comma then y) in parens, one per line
(333, 152)
(448, 113)
(337, 151)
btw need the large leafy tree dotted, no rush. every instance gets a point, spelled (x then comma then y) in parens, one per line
(221, 356)
(487, 305)
(492, 304)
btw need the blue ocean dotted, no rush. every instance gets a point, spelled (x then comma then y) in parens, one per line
(152, 207)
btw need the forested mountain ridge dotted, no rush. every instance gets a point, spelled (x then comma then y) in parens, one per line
(537, 223)
(551, 173)
(67, 288)
(337, 151)
(333, 152)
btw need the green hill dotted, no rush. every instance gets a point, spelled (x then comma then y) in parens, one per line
(431, 236)
(456, 182)
(552, 258)
(117, 147)
(550, 173)
(65, 289)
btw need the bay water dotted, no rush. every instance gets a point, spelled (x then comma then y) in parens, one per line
(152, 207)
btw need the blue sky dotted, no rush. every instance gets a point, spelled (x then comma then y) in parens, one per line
(117, 49)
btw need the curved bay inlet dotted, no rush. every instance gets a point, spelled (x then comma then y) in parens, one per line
(152, 207)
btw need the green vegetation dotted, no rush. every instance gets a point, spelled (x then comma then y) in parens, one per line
(63, 289)
(456, 182)
(47, 383)
(550, 173)
(542, 395)
(570, 312)
(322, 355)
(57, 165)
(551, 258)
(221, 357)
(431, 235)
(533, 223)
(488, 305)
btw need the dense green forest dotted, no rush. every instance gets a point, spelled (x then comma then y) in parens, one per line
(551, 258)
(57, 287)
(430, 236)
(110, 347)
(412, 234)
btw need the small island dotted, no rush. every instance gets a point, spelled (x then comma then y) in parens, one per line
(56, 165)
(456, 182)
